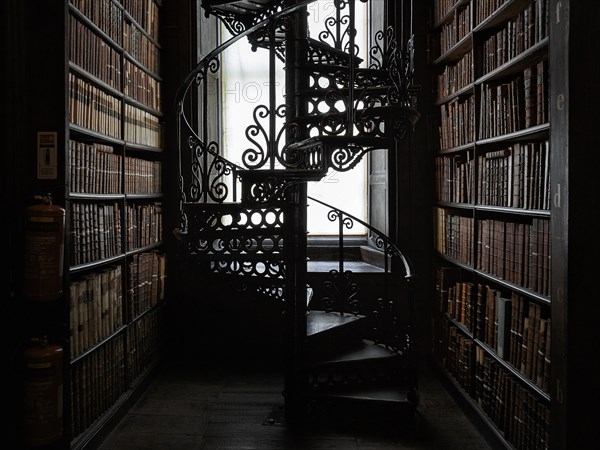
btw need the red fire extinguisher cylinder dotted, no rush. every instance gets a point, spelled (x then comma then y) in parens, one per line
(44, 250)
(43, 421)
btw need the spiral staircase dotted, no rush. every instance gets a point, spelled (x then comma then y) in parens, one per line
(348, 338)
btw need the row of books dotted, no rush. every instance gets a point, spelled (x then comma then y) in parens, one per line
(519, 414)
(516, 252)
(144, 225)
(441, 8)
(94, 168)
(457, 355)
(109, 16)
(485, 8)
(517, 177)
(453, 235)
(142, 86)
(517, 330)
(452, 32)
(514, 105)
(143, 344)
(97, 382)
(106, 14)
(91, 53)
(145, 13)
(142, 127)
(457, 124)
(92, 108)
(96, 110)
(141, 48)
(454, 176)
(146, 285)
(530, 340)
(142, 176)
(455, 77)
(96, 309)
(517, 36)
(95, 232)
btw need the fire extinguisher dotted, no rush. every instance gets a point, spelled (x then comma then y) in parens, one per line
(44, 250)
(43, 420)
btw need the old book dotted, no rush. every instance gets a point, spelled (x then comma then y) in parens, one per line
(503, 319)
(74, 319)
(529, 95)
(541, 348)
(490, 317)
(541, 93)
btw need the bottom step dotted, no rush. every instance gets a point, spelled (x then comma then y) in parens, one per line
(385, 409)
(388, 395)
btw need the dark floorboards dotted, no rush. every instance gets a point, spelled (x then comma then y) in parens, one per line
(190, 408)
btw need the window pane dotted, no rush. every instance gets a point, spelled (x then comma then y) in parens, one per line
(245, 86)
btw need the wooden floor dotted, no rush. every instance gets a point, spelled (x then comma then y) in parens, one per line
(217, 408)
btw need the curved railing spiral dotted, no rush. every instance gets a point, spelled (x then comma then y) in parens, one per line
(382, 242)
(209, 169)
(205, 175)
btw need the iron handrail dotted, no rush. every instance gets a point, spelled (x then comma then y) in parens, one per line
(382, 240)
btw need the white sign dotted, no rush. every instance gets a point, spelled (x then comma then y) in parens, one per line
(47, 167)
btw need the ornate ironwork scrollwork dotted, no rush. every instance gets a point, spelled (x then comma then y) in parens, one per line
(237, 25)
(208, 171)
(346, 158)
(342, 293)
(271, 189)
(266, 150)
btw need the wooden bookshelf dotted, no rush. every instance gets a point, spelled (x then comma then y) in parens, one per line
(98, 87)
(492, 212)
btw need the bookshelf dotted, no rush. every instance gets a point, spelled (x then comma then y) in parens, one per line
(492, 212)
(98, 89)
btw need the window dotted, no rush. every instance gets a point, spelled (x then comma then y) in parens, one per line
(245, 89)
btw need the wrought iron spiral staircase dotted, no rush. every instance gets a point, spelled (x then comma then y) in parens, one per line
(245, 225)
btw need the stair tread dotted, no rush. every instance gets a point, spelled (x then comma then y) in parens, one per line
(390, 394)
(376, 111)
(321, 321)
(239, 7)
(352, 266)
(364, 350)
(333, 50)
(291, 175)
(322, 92)
(334, 68)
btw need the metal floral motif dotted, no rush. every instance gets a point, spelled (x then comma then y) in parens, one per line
(342, 293)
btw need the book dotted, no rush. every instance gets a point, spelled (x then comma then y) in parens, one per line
(503, 319)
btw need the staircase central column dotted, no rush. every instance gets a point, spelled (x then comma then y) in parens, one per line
(296, 219)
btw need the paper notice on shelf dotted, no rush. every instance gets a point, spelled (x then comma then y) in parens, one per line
(47, 167)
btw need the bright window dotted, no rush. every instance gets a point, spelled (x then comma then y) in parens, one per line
(245, 94)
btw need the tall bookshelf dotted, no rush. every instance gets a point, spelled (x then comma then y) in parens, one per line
(98, 92)
(492, 213)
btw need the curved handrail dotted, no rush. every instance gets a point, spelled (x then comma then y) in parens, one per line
(409, 274)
